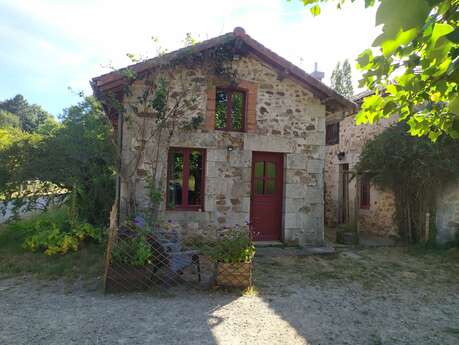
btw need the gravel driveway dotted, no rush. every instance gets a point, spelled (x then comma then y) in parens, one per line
(300, 301)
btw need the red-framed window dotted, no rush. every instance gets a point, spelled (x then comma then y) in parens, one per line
(365, 192)
(185, 178)
(332, 134)
(230, 109)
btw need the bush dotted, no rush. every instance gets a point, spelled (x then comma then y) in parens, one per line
(77, 157)
(414, 169)
(132, 246)
(53, 232)
(233, 246)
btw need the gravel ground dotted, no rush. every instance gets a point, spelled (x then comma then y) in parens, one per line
(298, 301)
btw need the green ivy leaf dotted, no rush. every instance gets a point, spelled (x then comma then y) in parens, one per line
(315, 10)
(365, 58)
(440, 30)
(403, 37)
(454, 105)
(401, 15)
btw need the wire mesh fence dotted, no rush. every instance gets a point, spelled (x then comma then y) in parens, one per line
(141, 256)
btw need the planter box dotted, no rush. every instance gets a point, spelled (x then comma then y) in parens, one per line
(238, 275)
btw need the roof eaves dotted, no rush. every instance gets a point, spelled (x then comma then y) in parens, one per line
(326, 94)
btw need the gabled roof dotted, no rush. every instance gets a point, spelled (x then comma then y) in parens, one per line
(328, 96)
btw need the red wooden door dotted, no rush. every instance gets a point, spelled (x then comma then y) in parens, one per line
(266, 202)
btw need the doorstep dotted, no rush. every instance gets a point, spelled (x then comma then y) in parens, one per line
(294, 251)
(269, 244)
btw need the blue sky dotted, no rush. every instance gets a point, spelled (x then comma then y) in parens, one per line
(49, 46)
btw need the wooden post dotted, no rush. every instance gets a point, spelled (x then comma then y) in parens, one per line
(427, 227)
(357, 204)
(112, 231)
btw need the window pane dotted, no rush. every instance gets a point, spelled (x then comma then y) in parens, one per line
(270, 169)
(221, 106)
(270, 186)
(258, 186)
(174, 195)
(237, 111)
(259, 169)
(332, 134)
(195, 178)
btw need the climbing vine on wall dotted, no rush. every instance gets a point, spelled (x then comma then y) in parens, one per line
(170, 91)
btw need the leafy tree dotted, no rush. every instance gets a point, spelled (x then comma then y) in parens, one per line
(413, 65)
(414, 169)
(341, 79)
(77, 156)
(8, 119)
(30, 116)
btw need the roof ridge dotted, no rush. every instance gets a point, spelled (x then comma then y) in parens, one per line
(326, 93)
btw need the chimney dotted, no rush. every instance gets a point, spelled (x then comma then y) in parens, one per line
(316, 74)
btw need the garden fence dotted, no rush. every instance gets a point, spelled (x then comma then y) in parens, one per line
(141, 256)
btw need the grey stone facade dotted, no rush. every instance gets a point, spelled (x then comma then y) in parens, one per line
(289, 120)
(378, 218)
(447, 217)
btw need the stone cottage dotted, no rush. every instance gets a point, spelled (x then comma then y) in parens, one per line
(344, 143)
(257, 155)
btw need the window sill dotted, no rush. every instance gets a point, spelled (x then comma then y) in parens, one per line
(230, 130)
(187, 209)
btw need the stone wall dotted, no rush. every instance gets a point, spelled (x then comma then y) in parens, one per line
(447, 216)
(378, 218)
(289, 120)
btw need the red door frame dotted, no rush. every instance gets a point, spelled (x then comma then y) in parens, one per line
(278, 196)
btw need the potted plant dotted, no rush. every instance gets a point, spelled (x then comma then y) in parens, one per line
(232, 252)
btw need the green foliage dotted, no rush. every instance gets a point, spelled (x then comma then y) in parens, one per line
(341, 79)
(133, 250)
(235, 246)
(189, 40)
(413, 65)
(414, 169)
(76, 156)
(27, 116)
(54, 232)
(8, 119)
(13, 136)
(87, 262)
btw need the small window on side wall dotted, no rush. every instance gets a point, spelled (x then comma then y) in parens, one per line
(185, 179)
(365, 192)
(230, 110)
(332, 134)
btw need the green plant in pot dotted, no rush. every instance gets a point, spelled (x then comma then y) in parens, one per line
(233, 252)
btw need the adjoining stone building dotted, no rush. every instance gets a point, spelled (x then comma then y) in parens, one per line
(258, 155)
(344, 143)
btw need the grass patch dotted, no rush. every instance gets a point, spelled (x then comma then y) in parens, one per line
(15, 260)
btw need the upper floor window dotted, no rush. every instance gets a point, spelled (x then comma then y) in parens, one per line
(365, 192)
(332, 134)
(185, 185)
(230, 110)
